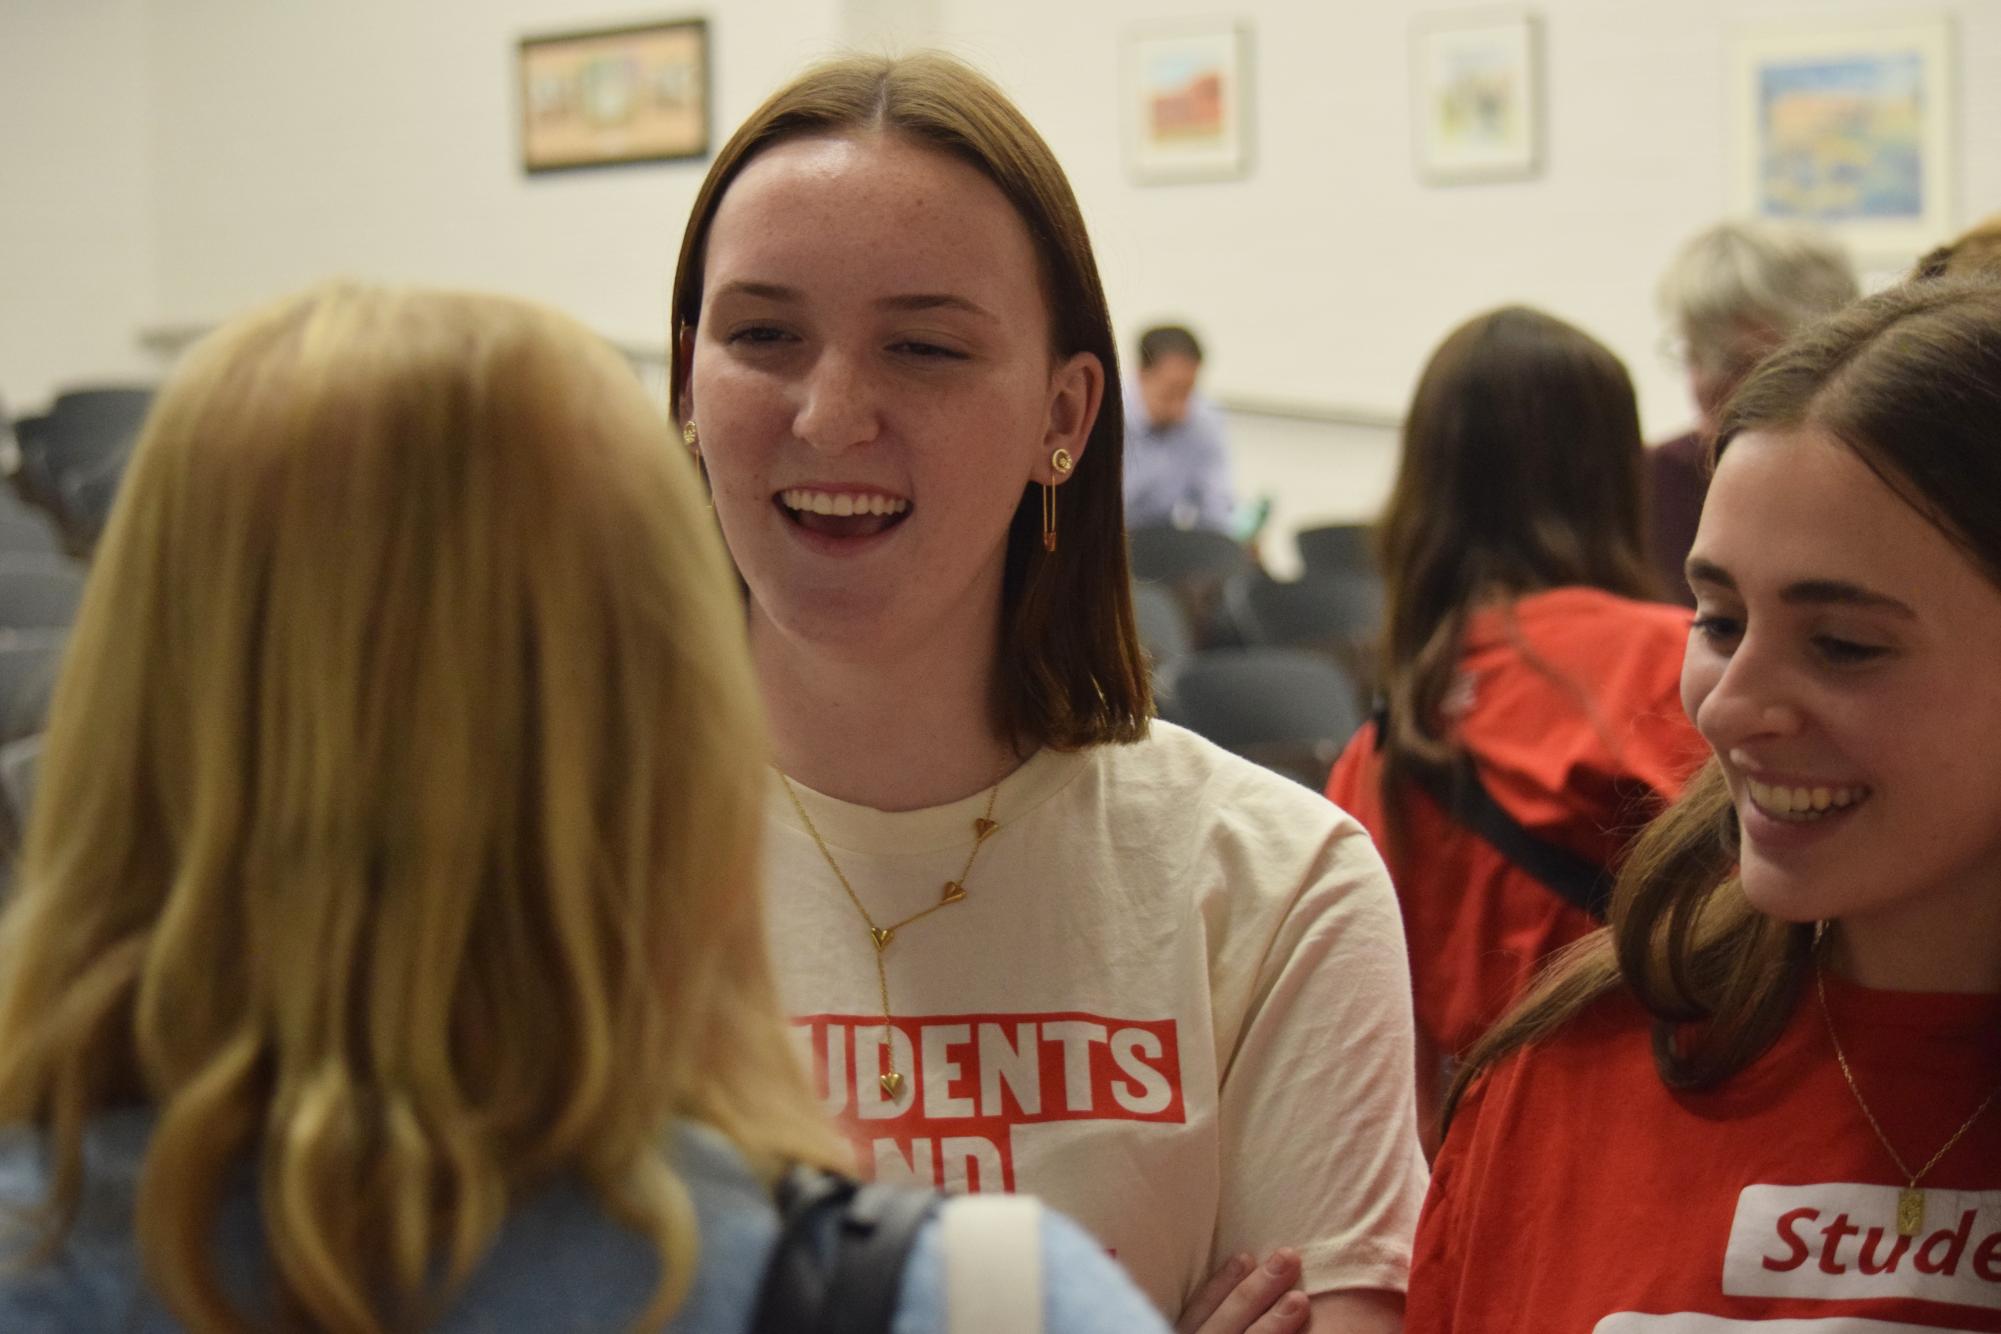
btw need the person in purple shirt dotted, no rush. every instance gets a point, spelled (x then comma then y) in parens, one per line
(1177, 471)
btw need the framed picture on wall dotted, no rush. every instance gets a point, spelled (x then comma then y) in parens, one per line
(1187, 93)
(1850, 127)
(1476, 89)
(594, 99)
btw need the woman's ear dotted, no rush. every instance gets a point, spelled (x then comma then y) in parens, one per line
(1076, 393)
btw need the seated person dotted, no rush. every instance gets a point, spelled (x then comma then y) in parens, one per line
(1732, 294)
(387, 952)
(1177, 469)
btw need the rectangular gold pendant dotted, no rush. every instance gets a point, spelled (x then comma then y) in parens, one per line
(1910, 1211)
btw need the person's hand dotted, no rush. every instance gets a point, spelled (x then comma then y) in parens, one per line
(1245, 1297)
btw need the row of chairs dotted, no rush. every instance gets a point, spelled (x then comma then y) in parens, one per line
(1279, 671)
(68, 461)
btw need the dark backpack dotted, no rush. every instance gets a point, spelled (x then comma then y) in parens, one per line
(842, 1247)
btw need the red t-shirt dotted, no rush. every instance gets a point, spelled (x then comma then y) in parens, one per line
(1576, 1192)
(1576, 727)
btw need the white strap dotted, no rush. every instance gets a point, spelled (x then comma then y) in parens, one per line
(993, 1264)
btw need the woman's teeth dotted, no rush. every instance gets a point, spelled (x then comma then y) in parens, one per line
(1801, 804)
(844, 503)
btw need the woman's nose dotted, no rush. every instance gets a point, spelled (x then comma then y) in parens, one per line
(838, 408)
(1754, 697)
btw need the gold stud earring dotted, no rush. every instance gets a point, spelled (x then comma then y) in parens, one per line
(691, 437)
(1061, 463)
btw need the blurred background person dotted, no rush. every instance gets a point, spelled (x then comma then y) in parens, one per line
(1177, 464)
(1732, 293)
(1530, 721)
(388, 950)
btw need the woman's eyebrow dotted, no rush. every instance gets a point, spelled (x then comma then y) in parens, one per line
(1806, 592)
(1839, 592)
(914, 301)
(763, 291)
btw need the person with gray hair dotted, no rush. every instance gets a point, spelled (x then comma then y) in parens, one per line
(1733, 292)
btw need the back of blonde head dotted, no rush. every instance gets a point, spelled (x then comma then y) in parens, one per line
(398, 821)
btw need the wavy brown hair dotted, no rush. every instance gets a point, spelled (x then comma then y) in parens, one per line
(1911, 382)
(1071, 672)
(397, 823)
(1521, 471)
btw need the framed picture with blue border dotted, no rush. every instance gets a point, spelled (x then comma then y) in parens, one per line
(1849, 127)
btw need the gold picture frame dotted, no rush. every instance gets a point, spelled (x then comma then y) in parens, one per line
(615, 96)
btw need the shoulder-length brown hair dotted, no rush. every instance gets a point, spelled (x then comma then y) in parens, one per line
(1520, 472)
(1911, 382)
(396, 836)
(1071, 671)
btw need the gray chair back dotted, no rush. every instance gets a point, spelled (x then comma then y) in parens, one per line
(1287, 709)
(28, 663)
(39, 592)
(1337, 548)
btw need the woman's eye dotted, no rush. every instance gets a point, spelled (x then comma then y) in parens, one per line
(758, 335)
(1719, 631)
(1847, 652)
(927, 351)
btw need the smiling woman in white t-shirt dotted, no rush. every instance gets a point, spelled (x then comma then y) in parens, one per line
(1031, 939)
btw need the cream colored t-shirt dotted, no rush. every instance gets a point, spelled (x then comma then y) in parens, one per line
(1174, 1003)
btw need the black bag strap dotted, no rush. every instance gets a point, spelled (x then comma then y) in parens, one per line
(1576, 880)
(854, 1288)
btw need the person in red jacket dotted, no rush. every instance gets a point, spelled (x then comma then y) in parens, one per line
(1768, 1097)
(1531, 723)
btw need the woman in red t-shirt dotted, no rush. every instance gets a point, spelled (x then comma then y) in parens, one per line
(1520, 663)
(1800, 1118)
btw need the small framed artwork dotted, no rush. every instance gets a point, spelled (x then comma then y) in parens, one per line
(1849, 127)
(1187, 94)
(594, 99)
(1476, 88)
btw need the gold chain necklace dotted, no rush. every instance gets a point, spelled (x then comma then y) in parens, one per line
(882, 936)
(1910, 1200)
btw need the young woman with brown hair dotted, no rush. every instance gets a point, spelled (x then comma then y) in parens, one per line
(1522, 668)
(388, 951)
(1769, 1092)
(1032, 940)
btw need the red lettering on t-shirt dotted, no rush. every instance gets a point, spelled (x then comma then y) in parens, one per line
(1836, 1232)
(1987, 1260)
(1955, 1246)
(1788, 1225)
(1869, 1245)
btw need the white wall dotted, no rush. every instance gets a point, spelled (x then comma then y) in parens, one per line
(377, 137)
(76, 269)
(1328, 273)
(184, 157)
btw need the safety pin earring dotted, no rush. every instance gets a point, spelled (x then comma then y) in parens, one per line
(1061, 463)
(693, 439)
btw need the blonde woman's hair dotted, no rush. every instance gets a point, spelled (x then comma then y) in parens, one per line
(1739, 289)
(397, 821)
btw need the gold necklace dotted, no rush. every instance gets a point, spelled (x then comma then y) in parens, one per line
(1910, 1200)
(882, 936)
